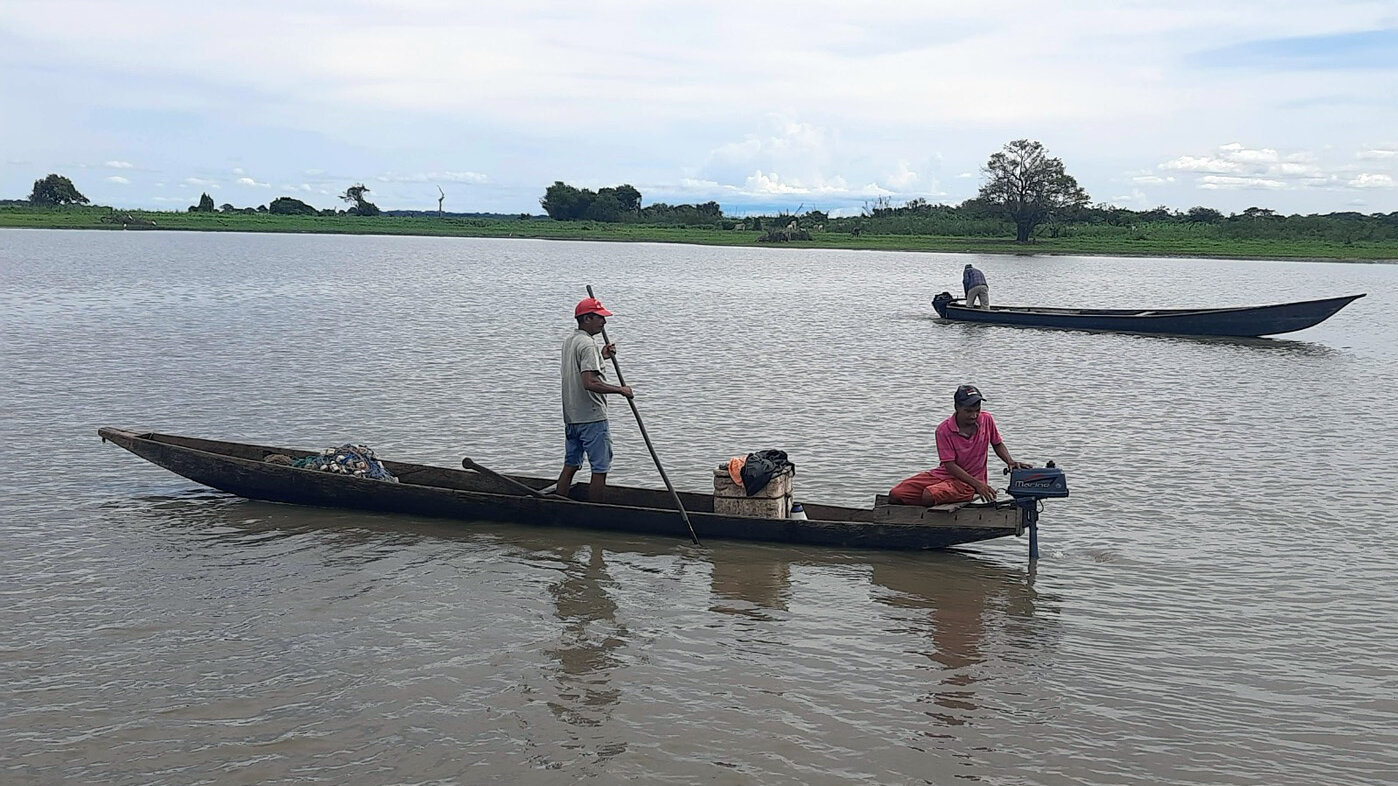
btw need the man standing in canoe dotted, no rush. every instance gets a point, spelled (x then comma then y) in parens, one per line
(977, 291)
(963, 441)
(585, 390)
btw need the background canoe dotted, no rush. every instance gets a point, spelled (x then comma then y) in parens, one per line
(1242, 321)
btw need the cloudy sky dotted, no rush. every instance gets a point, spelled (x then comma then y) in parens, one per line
(1290, 105)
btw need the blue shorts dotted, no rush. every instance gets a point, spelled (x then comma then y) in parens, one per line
(591, 438)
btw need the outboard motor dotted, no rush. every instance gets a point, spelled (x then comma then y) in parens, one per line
(1038, 483)
(1028, 486)
(940, 303)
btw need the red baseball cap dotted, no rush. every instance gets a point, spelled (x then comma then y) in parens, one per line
(591, 305)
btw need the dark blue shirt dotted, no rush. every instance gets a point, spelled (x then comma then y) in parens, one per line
(972, 278)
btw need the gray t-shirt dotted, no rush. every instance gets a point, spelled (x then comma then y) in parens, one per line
(580, 405)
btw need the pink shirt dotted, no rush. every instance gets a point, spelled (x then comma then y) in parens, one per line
(969, 453)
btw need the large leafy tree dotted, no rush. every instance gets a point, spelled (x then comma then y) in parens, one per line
(362, 207)
(288, 206)
(1203, 215)
(56, 190)
(615, 203)
(626, 196)
(564, 202)
(1028, 187)
(206, 204)
(605, 207)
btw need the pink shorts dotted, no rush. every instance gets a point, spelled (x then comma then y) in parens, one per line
(943, 490)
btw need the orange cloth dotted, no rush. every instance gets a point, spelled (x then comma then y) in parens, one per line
(926, 488)
(735, 468)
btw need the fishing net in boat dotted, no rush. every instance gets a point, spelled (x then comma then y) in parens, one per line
(348, 459)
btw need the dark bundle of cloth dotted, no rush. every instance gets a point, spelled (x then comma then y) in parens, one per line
(760, 467)
(357, 460)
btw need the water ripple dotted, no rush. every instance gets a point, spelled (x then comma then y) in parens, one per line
(1212, 606)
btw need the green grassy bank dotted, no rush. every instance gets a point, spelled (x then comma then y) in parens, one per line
(1164, 239)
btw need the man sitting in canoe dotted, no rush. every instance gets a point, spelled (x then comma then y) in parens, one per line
(585, 390)
(963, 441)
(977, 290)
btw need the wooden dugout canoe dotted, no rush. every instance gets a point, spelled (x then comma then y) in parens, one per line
(1240, 321)
(424, 490)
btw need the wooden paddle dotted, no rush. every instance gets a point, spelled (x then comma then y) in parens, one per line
(490, 473)
(642, 426)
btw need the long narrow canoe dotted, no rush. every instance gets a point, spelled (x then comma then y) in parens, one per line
(423, 490)
(1241, 321)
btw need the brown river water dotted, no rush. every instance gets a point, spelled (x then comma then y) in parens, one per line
(1217, 602)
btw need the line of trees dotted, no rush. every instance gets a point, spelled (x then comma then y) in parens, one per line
(1024, 185)
(563, 202)
(975, 218)
(622, 204)
(290, 206)
(55, 190)
(1026, 193)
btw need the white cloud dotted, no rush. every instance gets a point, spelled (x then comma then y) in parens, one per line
(866, 93)
(1236, 152)
(199, 182)
(1152, 180)
(761, 182)
(1229, 182)
(1201, 164)
(780, 144)
(118, 165)
(759, 185)
(904, 178)
(247, 181)
(434, 177)
(1372, 180)
(119, 180)
(791, 158)
(1237, 167)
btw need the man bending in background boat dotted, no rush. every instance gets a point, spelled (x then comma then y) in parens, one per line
(977, 291)
(963, 442)
(585, 390)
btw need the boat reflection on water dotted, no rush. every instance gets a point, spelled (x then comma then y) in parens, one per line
(587, 651)
(1255, 344)
(591, 634)
(748, 586)
(966, 616)
(970, 612)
